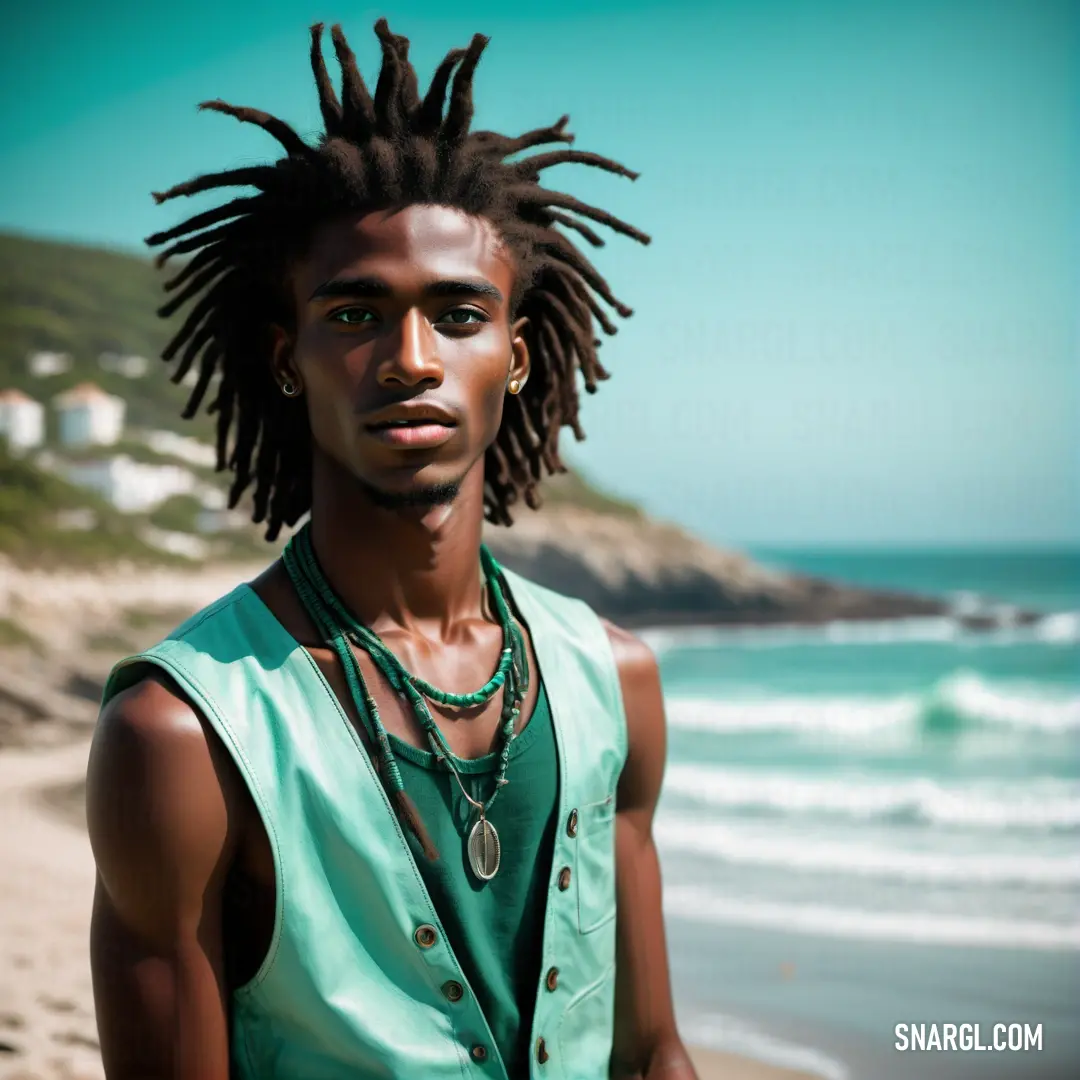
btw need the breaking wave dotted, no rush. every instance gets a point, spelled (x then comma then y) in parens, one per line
(1040, 803)
(1058, 628)
(748, 846)
(913, 927)
(962, 700)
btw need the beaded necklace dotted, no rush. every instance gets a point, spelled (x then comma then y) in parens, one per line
(338, 627)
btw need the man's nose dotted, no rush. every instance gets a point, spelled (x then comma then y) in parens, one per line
(411, 357)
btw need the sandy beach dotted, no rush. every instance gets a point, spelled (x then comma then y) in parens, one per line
(47, 1028)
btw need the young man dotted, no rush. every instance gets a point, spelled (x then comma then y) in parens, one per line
(322, 851)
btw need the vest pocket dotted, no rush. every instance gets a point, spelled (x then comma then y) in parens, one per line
(595, 855)
(586, 1030)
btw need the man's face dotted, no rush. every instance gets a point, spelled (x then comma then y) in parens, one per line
(403, 347)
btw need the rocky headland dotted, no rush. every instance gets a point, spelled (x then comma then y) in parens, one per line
(641, 572)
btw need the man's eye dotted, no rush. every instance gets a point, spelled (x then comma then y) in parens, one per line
(462, 317)
(351, 316)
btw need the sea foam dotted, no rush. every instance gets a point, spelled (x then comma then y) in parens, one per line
(795, 851)
(911, 927)
(1057, 628)
(1035, 803)
(962, 699)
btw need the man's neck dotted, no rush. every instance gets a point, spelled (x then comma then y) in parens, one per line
(414, 568)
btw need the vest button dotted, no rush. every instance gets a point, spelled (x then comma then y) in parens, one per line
(564, 878)
(541, 1050)
(425, 936)
(453, 990)
(479, 1053)
(571, 825)
(552, 978)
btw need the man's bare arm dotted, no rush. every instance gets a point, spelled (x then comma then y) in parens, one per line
(647, 1044)
(161, 821)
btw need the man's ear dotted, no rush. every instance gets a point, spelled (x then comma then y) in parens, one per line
(520, 361)
(282, 366)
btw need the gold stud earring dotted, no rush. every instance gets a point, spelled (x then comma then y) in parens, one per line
(514, 386)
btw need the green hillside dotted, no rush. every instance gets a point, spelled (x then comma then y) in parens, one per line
(32, 508)
(85, 301)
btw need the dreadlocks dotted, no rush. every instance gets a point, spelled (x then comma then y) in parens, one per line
(388, 151)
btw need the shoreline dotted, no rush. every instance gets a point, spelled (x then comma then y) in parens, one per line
(721, 1065)
(47, 1026)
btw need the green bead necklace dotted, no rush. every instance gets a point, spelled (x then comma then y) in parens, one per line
(338, 627)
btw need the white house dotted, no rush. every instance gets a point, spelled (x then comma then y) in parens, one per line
(22, 420)
(131, 367)
(43, 364)
(89, 416)
(129, 485)
(181, 446)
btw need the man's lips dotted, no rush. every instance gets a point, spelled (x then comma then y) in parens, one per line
(419, 433)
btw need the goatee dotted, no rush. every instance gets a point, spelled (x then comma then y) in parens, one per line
(421, 498)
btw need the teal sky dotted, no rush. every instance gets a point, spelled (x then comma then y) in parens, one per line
(858, 321)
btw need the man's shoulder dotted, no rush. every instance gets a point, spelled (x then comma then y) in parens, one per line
(150, 709)
(151, 712)
(149, 725)
(633, 656)
(235, 627)
(228, 607)
(521, 584)
(143, 700)
(221, 632)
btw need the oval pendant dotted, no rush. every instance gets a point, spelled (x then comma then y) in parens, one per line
(484, 850)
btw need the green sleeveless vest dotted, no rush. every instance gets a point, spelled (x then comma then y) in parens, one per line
(359, 981)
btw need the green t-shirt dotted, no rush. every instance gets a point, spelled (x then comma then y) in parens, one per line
(496, 928)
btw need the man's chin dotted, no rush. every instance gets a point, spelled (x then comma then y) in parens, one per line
(418, 498)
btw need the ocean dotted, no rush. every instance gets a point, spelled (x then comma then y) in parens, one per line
(879, 824)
